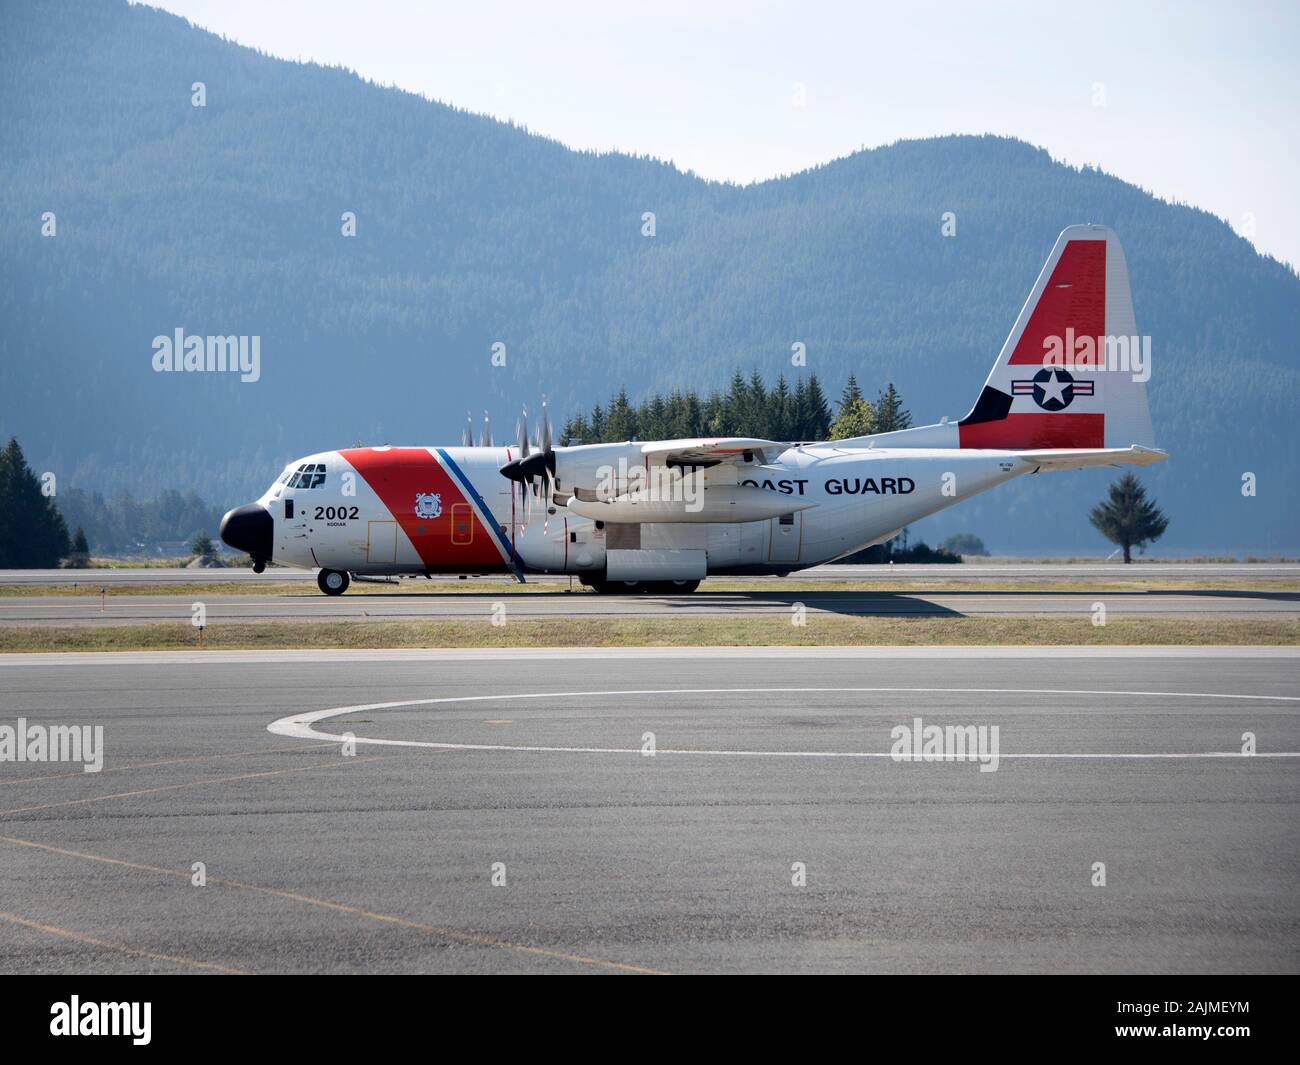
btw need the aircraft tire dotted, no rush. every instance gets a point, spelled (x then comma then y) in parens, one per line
(608, 587)
(333, 581)
(671, 587)
(604, 586)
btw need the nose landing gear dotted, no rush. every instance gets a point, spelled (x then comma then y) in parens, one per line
(259, 565)
(333, 581)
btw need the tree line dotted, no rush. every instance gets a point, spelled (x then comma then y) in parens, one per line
(749, 407)
(35, 518)
(123, 524)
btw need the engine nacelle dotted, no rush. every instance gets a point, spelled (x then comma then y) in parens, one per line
(593, 467)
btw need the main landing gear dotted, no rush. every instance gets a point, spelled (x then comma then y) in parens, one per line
(607, 587)
(333, 581)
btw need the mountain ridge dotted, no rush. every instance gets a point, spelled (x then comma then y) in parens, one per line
(472, 232)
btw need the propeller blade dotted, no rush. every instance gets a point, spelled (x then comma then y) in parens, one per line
(467, 434)
(487, 431)
(531, 465)
(546, 466)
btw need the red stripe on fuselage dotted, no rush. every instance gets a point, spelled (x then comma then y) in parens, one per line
(1075, 298)
(397, 475)
(1037, 431)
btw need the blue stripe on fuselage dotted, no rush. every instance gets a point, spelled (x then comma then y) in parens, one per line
(485, 515)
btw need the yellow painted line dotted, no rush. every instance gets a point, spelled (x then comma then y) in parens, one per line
(459, 935)
(122, 948)
(188, 784)
(166, 761)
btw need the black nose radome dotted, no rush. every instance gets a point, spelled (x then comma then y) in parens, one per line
(249, 528)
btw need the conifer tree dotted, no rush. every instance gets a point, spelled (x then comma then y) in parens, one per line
(201, 545)
(79, 555)
(1127, 518)
(890, 415)
(32, 531)
(851, 394)
(620, 423)
(819, 412)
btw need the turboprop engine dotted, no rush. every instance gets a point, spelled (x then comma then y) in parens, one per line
(674, 481)
(605, 469)
(625, 483)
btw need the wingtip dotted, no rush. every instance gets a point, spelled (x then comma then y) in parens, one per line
(1152, 454)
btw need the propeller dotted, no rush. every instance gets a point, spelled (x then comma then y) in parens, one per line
(548, 467)
(486, 440)
(531, 465)
(513, 469)
(467, 434)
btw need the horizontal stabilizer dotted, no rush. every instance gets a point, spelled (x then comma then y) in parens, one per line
(1085, 458)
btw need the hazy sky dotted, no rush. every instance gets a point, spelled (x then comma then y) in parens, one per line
(1199, 101)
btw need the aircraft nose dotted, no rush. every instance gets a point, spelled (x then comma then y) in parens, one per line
(249, 528)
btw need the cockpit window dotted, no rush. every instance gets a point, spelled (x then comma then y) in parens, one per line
(308, 475)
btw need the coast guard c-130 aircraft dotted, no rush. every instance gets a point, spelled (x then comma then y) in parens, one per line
(664, 514)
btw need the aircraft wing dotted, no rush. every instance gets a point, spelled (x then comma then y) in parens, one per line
(1084, 458)
(706, 450)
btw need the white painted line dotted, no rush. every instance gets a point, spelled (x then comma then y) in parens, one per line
(301, 726)
(524, 654)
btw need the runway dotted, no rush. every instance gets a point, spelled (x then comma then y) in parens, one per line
(768, 767)
(432, 605)
(884, 574)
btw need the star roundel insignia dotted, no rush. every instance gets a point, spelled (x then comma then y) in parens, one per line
(1053, 388)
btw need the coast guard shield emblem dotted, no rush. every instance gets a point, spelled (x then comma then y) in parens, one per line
(428, 505)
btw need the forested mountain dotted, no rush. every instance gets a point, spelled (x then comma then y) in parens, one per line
(122, 525)
(225, 219)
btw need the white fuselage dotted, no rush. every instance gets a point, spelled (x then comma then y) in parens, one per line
(384, 511)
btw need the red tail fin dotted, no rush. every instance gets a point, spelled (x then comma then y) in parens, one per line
(1072, 372)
